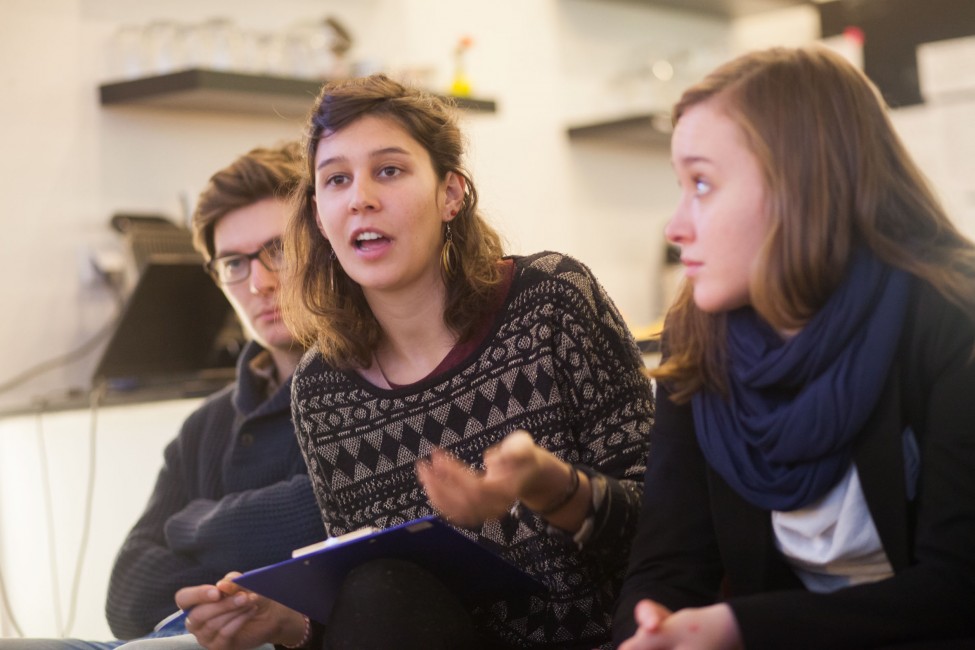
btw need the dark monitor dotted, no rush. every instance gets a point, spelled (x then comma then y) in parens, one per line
(175, 328)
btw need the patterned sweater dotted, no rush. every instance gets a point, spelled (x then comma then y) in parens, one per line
(233, 495)
(558, 362)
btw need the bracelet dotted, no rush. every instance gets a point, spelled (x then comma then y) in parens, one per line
(565, 498)
(305, 638)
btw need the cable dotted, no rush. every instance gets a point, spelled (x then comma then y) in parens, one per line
(78, 353)
(95, 397)
(52, 364)
(64, 628)
(51, 535)
(94, 401)
(8, 610)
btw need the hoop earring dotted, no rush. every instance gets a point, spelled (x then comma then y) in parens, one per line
(331, 271)
(447, 254)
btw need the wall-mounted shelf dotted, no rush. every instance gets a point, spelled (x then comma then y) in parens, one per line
(643, 129)
(726, 8)
(235, 92)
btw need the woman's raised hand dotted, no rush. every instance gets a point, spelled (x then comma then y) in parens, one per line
(515, 468)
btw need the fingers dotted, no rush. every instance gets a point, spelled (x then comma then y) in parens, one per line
(463, 496)
(217, 632)
(518, 443)
(189, 597)
(649, 634)
(467, 497)
(649, 615)
(447, 485)
(227, 586)
(216, 612)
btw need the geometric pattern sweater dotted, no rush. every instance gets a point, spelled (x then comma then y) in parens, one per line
(232, 495)
(558, 362)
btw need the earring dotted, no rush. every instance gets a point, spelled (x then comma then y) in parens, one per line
(447, 253)
(331, 271)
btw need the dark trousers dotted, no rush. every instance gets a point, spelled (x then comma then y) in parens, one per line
(396, 604)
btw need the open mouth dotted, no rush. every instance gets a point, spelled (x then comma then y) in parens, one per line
(367, 241)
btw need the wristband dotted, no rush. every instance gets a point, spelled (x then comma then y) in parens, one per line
(305, 638)
(565, 498)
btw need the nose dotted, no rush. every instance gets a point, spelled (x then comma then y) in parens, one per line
(363, 197)
(679, 229)
(262, 281)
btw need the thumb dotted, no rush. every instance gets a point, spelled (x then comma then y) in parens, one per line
(649, 615)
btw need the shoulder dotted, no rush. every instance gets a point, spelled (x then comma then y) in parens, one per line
(937, 342)
(551, 264)
(557, 273)
(310, 361)
(560, 289)
(211, 423)
(219, 403)
(934, 323)
(314, 375)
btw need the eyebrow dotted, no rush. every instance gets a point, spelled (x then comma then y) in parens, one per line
(372, 154)
(231, 253)
(690, 160)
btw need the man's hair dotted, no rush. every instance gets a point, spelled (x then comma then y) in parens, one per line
(322, 305)
(837, 178)
(261, 173)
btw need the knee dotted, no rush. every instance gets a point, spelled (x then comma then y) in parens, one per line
(394, 599)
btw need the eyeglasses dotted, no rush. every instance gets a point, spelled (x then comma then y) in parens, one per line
(234, 268)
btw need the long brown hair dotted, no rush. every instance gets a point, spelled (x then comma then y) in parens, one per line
(837, 177)
(322, 305)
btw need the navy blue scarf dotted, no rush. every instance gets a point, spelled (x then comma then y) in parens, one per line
(784, 437)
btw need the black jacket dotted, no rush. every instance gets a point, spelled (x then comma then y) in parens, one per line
(698, 539)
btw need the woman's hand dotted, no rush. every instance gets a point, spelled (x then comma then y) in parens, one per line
(705, 628)
(225, 616)
(516, 468)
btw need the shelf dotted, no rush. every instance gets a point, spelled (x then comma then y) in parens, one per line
(233, 92)
(176, 387)
(643, 129)
(726, 8)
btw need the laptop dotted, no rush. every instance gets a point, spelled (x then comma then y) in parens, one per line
(176, 327)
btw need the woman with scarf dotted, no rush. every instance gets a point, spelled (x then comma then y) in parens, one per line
(811, 479)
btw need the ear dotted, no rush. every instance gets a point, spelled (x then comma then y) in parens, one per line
(454, 188)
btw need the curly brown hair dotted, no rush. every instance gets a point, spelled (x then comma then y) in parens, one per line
(322, 305)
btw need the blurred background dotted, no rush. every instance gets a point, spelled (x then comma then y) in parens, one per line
(115, 113)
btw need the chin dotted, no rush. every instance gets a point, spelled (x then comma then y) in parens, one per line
(710, 303)
(276, 336)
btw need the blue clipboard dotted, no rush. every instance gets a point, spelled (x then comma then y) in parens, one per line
(310, 583)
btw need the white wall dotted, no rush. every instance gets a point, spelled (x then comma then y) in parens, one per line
(69, 164)
(45, 464)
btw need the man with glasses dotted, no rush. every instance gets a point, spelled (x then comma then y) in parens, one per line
(233, 492)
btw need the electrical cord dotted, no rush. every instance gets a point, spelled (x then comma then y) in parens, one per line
(52, 364)
(95, 398)
(49, 517)
(64, 627)
(7, 609)
(78, 353)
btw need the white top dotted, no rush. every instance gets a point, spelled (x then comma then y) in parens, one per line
(833, 543)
